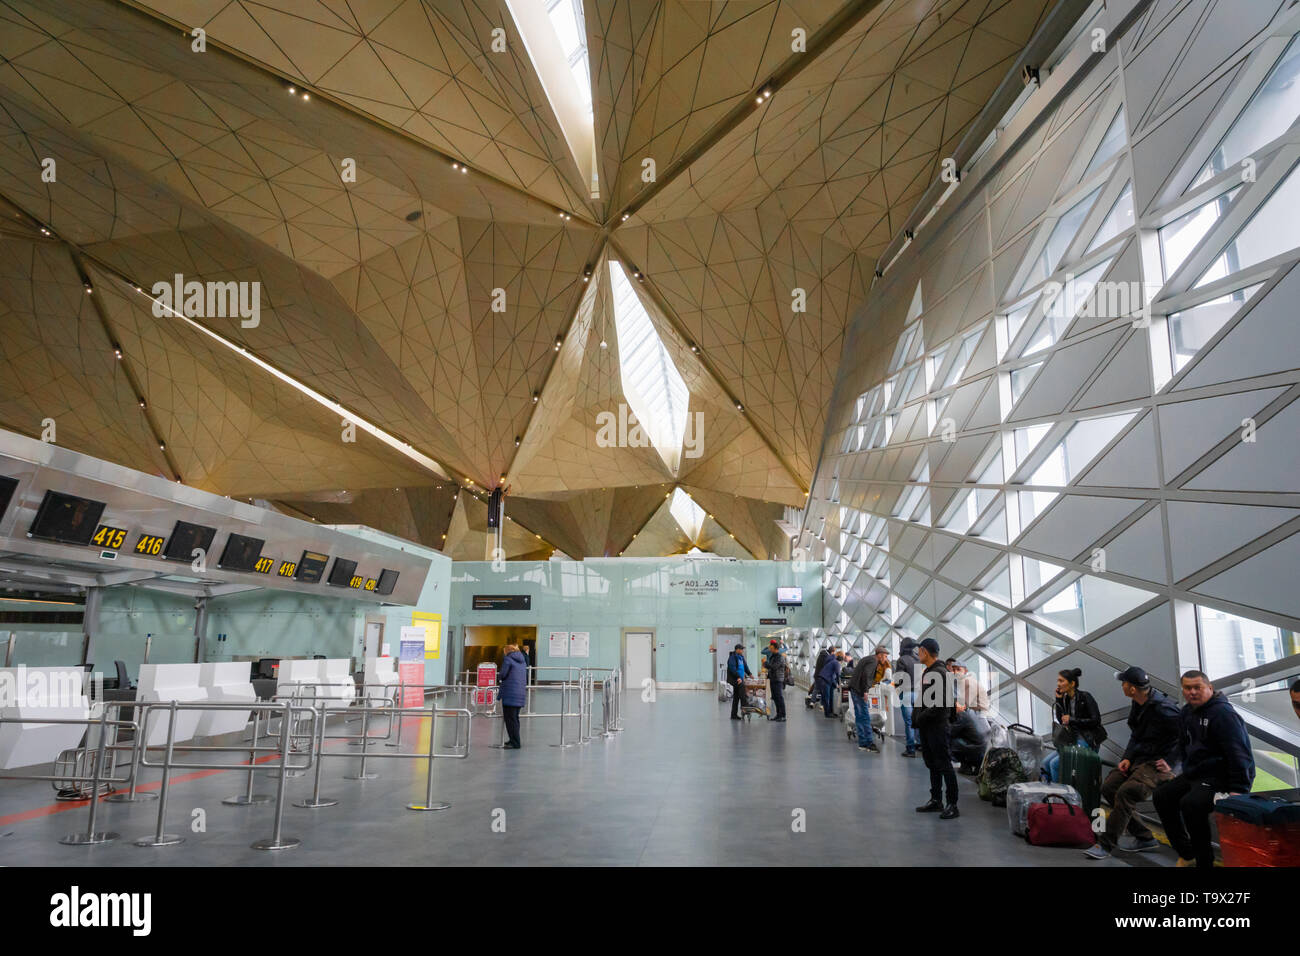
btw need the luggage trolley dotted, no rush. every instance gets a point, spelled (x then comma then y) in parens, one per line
(755, 698)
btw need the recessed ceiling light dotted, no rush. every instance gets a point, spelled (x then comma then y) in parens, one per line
(293, 90)
(604, 344)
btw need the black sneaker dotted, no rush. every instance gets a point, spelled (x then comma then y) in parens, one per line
(909, 753)
(931, 806)
(873, 749)
(949, 812)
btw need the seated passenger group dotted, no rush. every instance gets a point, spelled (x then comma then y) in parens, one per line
(1180, 758)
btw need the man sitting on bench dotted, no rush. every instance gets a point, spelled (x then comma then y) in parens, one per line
(1216, 757)
(1153, 724)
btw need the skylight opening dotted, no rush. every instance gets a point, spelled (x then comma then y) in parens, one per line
(555, 35)
(570, 29)
(687, 514)
(654, 388)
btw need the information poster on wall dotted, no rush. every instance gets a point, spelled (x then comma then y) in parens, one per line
(559, 645)
(432, 624)
(410, 666)
(580, 644)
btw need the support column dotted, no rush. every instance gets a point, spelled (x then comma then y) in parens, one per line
(90, 623)
(200, 630)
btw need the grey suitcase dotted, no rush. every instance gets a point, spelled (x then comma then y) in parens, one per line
(1027, 745)
(1021, 795)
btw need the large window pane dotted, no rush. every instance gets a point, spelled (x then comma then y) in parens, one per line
(1062, 309)
(1067, 227)
(1114, 140)
(1230, 644)
(1080, 445)
(1192, 328)
(1273, 230)
(1268, 115)
(1085, 604)
(1180, 237)
(1117, 220)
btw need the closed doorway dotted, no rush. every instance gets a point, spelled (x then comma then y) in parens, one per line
(638, 658)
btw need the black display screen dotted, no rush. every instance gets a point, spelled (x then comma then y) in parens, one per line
(240, 553)
(66, 519)
(387, 581)
(342, 572)
(311, 567)
(7, 486)
(186, 538)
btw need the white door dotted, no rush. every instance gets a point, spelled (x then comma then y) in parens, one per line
(637, 670)
(374, 638)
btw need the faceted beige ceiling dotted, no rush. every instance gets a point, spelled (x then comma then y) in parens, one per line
(429, 300)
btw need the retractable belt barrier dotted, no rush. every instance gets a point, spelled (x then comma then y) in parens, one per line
(301, 736)
(96, 778)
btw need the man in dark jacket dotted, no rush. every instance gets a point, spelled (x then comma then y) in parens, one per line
(906, 671)
(514, 692)
(936, 703)
(829, 677)
(1216, 758)
(816, 688)
(1153, 723)
(778, 672)
(737, 671)
(968, 736)
(860, 682)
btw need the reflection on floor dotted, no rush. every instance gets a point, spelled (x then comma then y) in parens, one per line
(681, 785)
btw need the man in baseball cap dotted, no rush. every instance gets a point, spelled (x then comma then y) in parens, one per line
(1153, 723)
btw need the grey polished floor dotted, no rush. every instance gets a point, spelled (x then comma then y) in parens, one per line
(681, 785)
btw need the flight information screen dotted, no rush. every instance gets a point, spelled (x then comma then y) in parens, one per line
(311, 566)
(66, 519)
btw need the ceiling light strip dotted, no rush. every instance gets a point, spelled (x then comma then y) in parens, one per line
(403, 448)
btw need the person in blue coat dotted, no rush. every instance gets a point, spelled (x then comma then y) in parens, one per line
(737, 671)
(514, 692)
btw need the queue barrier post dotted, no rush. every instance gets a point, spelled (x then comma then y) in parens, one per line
(316, 801)
(277, 840)
(160, 838)
(429, 802)
(93, 836)
(248, 798)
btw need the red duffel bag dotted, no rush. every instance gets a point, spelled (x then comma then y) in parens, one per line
(1054, 822)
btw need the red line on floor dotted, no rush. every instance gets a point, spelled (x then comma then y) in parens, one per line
(65, 805)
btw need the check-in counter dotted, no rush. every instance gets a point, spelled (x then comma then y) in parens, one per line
(226, 683)
(308, 680)
(380, 677)
(168, 682)
(55, 693)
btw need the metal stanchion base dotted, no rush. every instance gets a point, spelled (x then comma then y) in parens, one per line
(562, 746)
(316, 804)
(167, 839)
(246, 801)
(124, 796)
(362, 776)
(284, 843)
(436, 805)
(80, 839)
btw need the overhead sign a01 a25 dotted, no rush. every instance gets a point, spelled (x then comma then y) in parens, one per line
(694, 586)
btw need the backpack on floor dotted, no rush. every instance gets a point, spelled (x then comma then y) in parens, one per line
(1001, 768)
